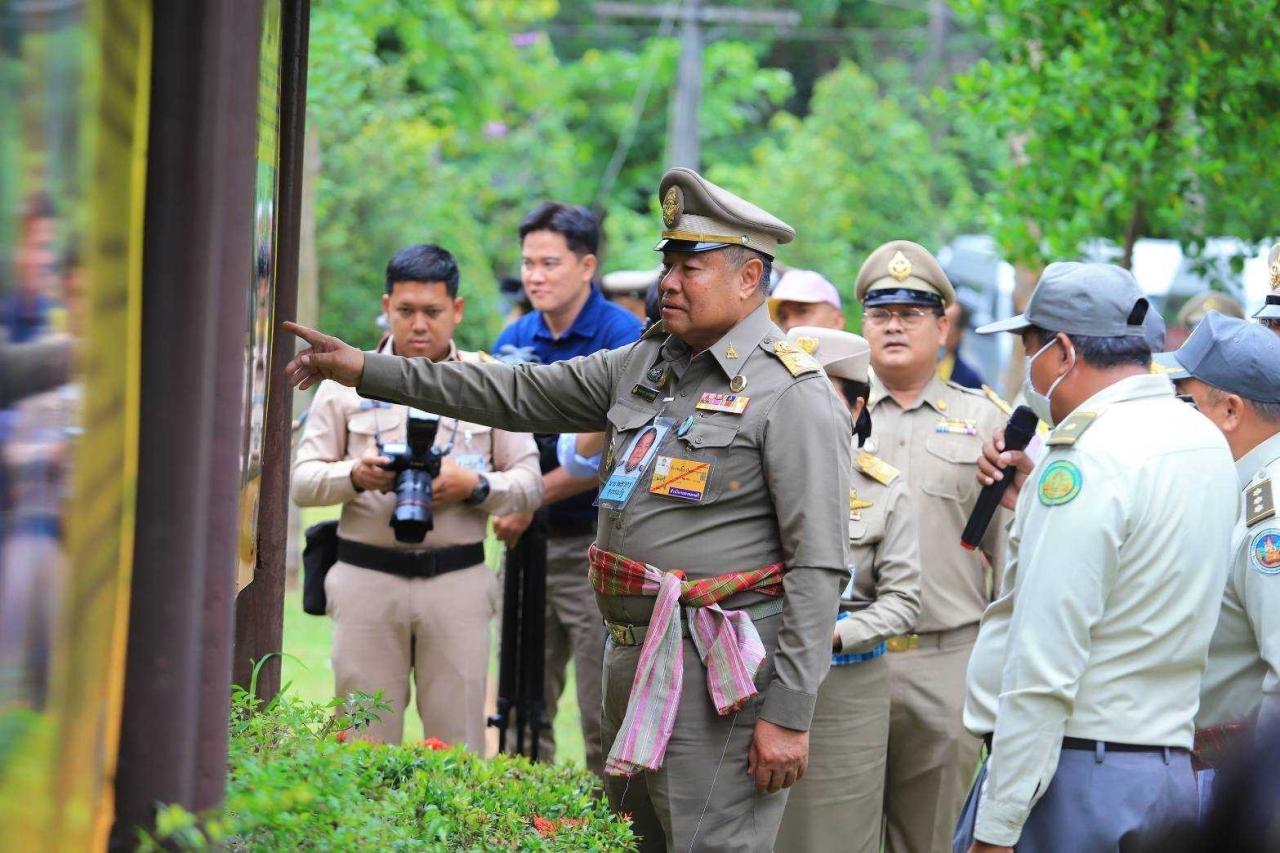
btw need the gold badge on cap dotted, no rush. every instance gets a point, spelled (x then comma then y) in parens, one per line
(899, 266)
(672, 206)
(808, 344)
(1275, 276)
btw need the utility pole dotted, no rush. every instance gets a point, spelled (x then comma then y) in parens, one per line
(683, 141)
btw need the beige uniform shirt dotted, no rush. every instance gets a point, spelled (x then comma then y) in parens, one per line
(777, 481)
(1243, 674)
(1114, 559)
(342, 425)
(935, 442)
(884, 557)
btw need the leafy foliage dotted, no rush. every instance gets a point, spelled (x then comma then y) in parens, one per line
(297, 780)
(1126, 120)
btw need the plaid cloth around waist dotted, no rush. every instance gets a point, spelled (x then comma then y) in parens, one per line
(1216, 743)
(726, 640)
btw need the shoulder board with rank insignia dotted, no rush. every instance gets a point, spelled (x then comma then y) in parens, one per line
(1259, 502)
(1069, 431)
(1000, 402)
(796, 360)
(486, 358)
(876, 468)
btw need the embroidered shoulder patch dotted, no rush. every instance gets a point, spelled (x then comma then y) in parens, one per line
(876, 468)
(1069, 431)
(1264, 551)
(1259, 502)
(1060, 483)
(797, 361)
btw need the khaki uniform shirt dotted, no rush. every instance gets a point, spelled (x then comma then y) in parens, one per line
(1113, 559)
(776, 489)
(342, 425)
(935, 442)
(884, 557)
(1243, 674)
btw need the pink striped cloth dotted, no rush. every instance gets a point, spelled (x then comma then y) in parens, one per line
(726, 640)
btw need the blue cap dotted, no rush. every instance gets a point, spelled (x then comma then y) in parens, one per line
(1235, 356)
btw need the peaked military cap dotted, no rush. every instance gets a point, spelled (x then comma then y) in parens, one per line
(1202, 303)
(841, 354)
(1235, 356)
(1270, 309)
(629, 281)
(698, 216)
(903, 273)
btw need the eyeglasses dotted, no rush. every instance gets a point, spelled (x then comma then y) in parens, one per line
(1271, 323)
(910, 318)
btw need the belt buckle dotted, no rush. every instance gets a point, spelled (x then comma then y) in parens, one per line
(621, 634)
(903, 642)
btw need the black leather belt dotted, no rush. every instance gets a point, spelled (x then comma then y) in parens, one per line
(1089, 745)
(410, 564)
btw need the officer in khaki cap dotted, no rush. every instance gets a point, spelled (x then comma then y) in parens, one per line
(839, 803)
(727, 457)
(1269, 314)
(932, 431)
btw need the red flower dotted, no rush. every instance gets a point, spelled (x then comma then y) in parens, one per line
(340, 737)
(544, 827)
(434, 743)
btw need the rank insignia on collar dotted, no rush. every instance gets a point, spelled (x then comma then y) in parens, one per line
(730, 352)
(1259, 502)
(1069, 431)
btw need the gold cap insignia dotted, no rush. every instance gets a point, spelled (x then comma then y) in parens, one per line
(1275, 276)
(672, 206)
(808, 344)
(899, 266)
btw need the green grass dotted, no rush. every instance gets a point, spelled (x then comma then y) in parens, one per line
(307, 671)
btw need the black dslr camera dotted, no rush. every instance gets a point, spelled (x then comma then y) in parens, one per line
(416, 463)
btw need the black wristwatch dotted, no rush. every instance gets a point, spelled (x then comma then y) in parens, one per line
(479, 493)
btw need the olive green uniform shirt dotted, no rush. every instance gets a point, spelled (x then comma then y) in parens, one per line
(935, 442)
(777, 488)
(884, 557)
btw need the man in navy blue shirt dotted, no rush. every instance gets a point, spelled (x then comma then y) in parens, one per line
(558, 245)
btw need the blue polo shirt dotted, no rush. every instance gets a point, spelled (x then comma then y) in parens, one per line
(599, 325)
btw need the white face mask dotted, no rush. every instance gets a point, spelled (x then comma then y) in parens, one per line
(1040, 403)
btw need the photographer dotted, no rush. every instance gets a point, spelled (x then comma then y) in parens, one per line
(413, 606)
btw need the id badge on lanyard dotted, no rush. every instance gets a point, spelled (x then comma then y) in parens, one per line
(632, 464)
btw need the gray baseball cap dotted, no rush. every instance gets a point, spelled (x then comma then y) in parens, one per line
(1099, 300)
(1235, 356)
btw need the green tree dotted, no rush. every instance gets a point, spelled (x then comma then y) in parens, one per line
(1123, 121)
(857, 171)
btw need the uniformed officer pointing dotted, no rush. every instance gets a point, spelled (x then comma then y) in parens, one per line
(712, 672)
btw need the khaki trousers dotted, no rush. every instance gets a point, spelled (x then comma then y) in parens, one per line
(701, 798)
(932, 758)
(574, 631)
(839, 803)
(387, 627)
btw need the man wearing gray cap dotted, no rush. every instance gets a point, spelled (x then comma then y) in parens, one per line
(1086, 673)
(1269, 314)
(718, 561)
(932, 431)
(1233, 370)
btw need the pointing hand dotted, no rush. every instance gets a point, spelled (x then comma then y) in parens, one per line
(325, 358)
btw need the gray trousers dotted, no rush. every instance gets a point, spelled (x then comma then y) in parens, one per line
(1099, 802)
(701, 799)
(574, 631)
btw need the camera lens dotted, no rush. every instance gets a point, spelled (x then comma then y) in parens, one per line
(411, 520)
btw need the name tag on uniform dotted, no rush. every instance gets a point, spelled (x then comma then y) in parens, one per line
(680, 478)
(469, 461)
(733, 404)
(956, 426)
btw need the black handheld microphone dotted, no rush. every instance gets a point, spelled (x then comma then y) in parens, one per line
(1017, 435)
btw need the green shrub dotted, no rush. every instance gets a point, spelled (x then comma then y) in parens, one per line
(296, 781)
